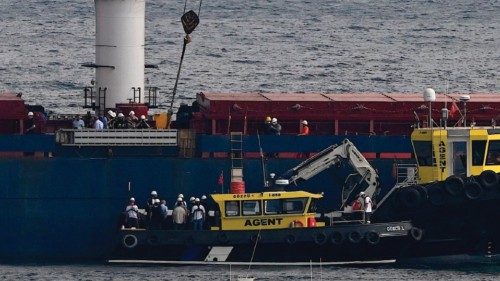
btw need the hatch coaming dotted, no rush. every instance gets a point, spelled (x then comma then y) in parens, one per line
(465, 152)
(266, 210)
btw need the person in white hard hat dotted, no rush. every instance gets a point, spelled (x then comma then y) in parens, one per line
(275, 127)
(198, 215)
(132, 120)
(132, 217)
(179, 215)
(120, 122)
(111, 119)
(30, 124)
(368, 206)
(151, 202)
(304, 130)
(143, 123)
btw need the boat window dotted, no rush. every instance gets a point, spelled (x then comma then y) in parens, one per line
(478, 150)
(251, 208)
(232, 208)
(294, 206)
(459, 157)
(272, 207)
(313, 206)
(423, 151)
(493, 156)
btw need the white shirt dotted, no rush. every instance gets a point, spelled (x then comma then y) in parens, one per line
(368, 204)
(198, 215)
(98, 125)
(132, 211)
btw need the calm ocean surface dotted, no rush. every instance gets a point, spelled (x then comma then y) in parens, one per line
(260, 46)
(212, 273)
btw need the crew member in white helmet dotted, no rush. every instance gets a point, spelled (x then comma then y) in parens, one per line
(198, 215)
(143, 123)
(132, 218)
(368, 206)
(30, 124)
(132, 120)
(151, 202)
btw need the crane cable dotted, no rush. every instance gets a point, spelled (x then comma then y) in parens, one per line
(189, 22)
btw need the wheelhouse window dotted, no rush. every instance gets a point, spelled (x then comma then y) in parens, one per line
(272, 207)
(232, 208)
(423, 152)
(493, 155)
(251, 208)
(478, 151)
(294, 206)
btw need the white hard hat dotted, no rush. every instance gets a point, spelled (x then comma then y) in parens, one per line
(120, 114)
(197, 200)
(111, 113)
(30, 113)
(154, 192)
(203, 197)
(143, 117)
(361, 193)
(132, 199)
(304, 122)
(272, 175)
(191, 199)
(131, 112)
(181, 196)
(179, 199)
(274, 120)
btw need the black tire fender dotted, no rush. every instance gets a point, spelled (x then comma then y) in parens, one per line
(472, 190)
(130, 241)
(488, 179)
(320, 238)
(337, 238)
(416, 233)
(372, 237)
(437, 196)
(454, 185)
(290, 239)
(410, 197)
(354, 237)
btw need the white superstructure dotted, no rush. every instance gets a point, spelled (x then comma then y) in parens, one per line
(120, 50)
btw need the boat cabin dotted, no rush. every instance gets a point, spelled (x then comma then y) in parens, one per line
(465, 151)
(267, 210)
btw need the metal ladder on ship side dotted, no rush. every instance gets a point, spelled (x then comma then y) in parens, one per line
(236, 154)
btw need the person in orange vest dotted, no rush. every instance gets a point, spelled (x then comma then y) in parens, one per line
(304, 130)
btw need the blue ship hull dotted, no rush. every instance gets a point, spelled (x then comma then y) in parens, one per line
(68, 206)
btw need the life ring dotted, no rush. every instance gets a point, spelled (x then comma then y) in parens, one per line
(454, 185)
(320, 238)
(436, 194)
(290, 239)
(488, 179)
(129, 241)
(372, 237)
(416, 233)
(337, 238)
(472, 190)
(410, 197)
(153, 240)
(222, 237)
(354, 237)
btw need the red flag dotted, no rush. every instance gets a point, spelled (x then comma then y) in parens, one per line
(221, 178)
(454, 109)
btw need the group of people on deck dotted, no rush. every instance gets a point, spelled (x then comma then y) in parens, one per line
(111, 121)
(157, 215)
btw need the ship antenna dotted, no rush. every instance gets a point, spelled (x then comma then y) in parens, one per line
(190, 21)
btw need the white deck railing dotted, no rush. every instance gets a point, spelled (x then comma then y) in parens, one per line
(127, 137)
